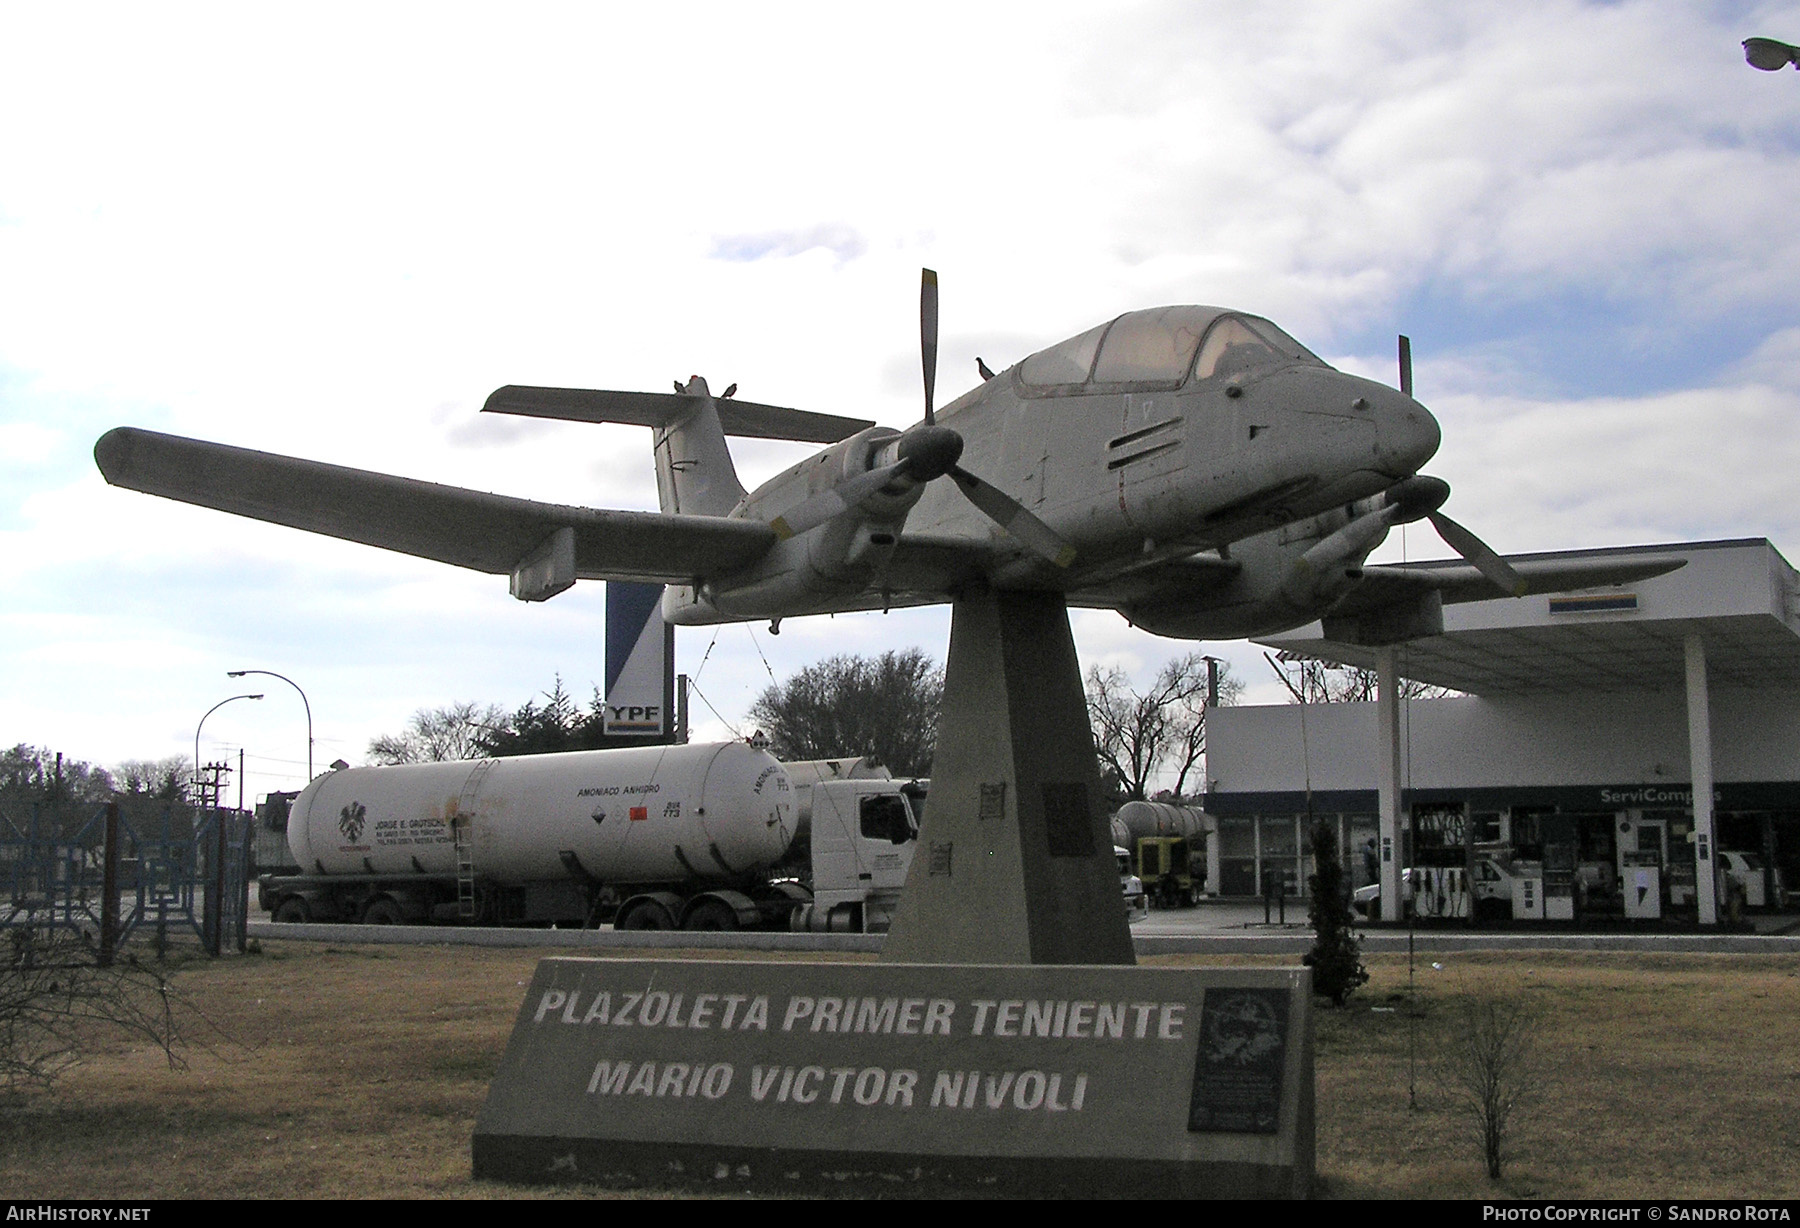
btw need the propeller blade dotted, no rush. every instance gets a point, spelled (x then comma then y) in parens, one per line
(1478, 553)
(928, 335)
(1405, 364)
(1010, 514)
(814, 511)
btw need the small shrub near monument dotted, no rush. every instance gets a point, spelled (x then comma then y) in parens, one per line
(1336, 956)
(1491, 1068)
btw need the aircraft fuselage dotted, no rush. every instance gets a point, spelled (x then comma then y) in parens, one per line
(1131, 474)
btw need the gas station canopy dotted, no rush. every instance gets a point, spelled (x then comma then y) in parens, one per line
(1741, 597)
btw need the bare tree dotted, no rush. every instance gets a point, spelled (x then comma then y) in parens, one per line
(1325, 682)
(165, 778)
(1490, 1067)
(56, 1000)
(1163, 729)
(437, 735)
(886, 706)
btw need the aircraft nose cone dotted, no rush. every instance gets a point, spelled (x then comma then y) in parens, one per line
(930, 451)
(1406, 434)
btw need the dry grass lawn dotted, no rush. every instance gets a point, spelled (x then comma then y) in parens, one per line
(358, 1071)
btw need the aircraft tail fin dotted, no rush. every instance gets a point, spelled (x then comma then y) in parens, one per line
(694, 471)
(695, 475)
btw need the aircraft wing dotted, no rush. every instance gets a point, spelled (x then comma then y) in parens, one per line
(743, 418)
(466, 528)
(935, 563)
(1389, 584)
(1194, 579)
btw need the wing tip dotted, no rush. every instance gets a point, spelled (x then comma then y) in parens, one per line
(113, 452)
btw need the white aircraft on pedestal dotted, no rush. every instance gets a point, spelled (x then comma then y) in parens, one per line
(1194, 468)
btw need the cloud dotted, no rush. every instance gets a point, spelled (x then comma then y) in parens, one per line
(841, 241)
(1694, 464)
(27, 445)
(1581, 212)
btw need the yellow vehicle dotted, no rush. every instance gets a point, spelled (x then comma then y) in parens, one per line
(1165, 865)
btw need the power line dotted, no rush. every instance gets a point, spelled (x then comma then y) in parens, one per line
(735, 732)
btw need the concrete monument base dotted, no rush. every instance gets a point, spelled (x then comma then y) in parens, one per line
(907, 1080)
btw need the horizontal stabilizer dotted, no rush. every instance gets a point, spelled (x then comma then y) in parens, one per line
(742, 418)
(496, 534)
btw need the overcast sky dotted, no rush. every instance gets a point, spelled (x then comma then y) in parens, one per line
(331, 230)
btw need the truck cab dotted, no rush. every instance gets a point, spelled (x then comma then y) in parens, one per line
(863, 836)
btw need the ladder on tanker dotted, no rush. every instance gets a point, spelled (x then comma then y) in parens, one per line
(463, 835)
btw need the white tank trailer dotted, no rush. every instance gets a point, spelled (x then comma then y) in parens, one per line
(683, 834)
(703, 837)
(1136, 820)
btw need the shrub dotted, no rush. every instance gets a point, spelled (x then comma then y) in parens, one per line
(1336, 955)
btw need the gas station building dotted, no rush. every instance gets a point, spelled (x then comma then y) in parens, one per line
(1628, 752)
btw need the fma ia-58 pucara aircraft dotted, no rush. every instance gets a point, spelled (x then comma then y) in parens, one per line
(1194, 468)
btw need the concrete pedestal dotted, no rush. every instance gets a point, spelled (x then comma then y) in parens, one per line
(1015, 862)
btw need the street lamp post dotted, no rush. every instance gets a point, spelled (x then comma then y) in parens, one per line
(197, 728)
(239, 673)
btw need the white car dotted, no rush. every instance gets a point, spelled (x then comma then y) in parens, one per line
(1367, 900)
(1744, 872)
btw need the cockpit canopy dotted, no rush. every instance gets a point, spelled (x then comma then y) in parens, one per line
(1161, 348)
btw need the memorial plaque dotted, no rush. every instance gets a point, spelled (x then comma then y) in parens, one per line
(907, 1079)
(1240, 1061)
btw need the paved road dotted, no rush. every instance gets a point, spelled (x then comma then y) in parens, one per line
(1229, 928)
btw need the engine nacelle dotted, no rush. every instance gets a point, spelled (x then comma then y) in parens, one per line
(814, 570)
(1285, 581)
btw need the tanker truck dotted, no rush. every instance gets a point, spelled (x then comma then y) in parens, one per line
(699, 836)
(1168, 850)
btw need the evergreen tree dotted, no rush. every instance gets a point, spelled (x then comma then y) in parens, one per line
(1336, 956)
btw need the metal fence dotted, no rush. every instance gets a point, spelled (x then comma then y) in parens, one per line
(111, 871)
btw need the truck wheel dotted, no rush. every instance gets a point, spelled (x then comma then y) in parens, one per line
(382, 910)
(293, 910)
(712, 915)
(646, 915)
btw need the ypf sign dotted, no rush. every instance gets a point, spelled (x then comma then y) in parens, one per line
(907, 1078)
(639, 662)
